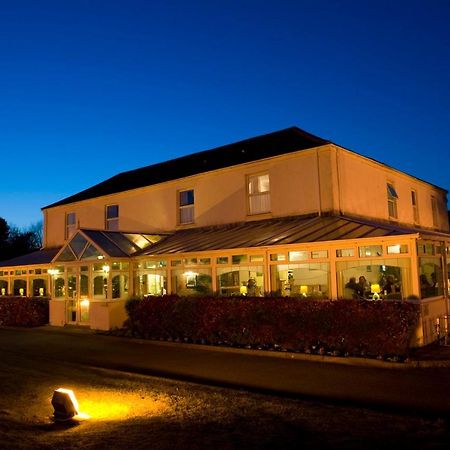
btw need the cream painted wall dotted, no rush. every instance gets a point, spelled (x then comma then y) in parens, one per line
(348, 182)
(220, 197)
(362, 188)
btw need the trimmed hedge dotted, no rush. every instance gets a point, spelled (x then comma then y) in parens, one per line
(342, 327)
(24, 311)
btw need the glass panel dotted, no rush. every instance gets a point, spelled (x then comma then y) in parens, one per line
(77, 244)
(150, 283)
(256, 258)
(370, 250)
(66, 255)
(301, 280)
(222, 260)
(59, 286)
(397, 248)
(238, 259)
(138, 239)
(100, 286)
(298, 256)
(319, 254)
(175, 262)
(3, 287)
(242, 280)
(84, 281)
(187, 214)
(120, 265)
(190, 261)
(431, 282)
(259, 203)
(151, 264)
(191, 282)
(204, 261)
(104, 243)
(392, 193)
(39, 287)
(91, 253)
(112, 224)
(388, 279)
(278, 257)
(112, 211)
(71, 285)
(345, 252)
(20, 287)
(187, 197)
(119, 286)
(123, 243)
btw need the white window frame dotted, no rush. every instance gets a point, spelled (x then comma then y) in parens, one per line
(258, 199)
(186, 211)
(392, 198)
(111, 223)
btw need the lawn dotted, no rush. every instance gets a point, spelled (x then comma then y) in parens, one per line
(129, 411)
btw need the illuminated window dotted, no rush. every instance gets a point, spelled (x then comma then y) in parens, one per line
(397, 248)
(297, 256)
(370, 250)
(345, 252)
(415, 206)
(258, 194)
(112, 217)
(71, 224)
(392, 200)
(186, 207)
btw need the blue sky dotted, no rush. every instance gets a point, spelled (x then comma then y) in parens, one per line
(92, 88)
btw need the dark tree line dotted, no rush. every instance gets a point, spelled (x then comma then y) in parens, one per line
(17, 242)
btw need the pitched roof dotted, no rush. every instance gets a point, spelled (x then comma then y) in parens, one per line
(253, 149)
(43, 256)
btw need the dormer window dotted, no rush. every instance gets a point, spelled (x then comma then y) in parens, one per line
(112, 217)
(186, 207)
(392, 201)
(258, 194)
(71, 224)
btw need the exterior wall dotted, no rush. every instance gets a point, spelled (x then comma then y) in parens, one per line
(220, 197)
(361, 189)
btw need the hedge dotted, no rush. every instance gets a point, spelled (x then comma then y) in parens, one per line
(24, 311)
(341, 327)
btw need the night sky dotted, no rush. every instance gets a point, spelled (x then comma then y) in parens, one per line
(92, 88)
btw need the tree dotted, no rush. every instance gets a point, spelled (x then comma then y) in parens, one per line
(17, 242)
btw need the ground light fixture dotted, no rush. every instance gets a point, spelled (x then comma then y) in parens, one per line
(65, 405)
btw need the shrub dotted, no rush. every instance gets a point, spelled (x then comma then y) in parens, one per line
(339, 327)
(24, 311)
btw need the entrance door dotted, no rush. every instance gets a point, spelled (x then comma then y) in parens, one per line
(77, 293)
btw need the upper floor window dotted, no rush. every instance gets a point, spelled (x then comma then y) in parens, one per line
(434, 211)
(112, 217)
(415, 206)
(392, 200)
(186, 207)
(71, 224)
(258, 194)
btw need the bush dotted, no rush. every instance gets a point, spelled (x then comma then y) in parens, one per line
(353, 327)
(24, 311)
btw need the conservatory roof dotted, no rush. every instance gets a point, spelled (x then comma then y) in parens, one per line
(282, 231)
(43, 256)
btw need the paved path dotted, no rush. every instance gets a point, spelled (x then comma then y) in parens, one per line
(422, 391)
